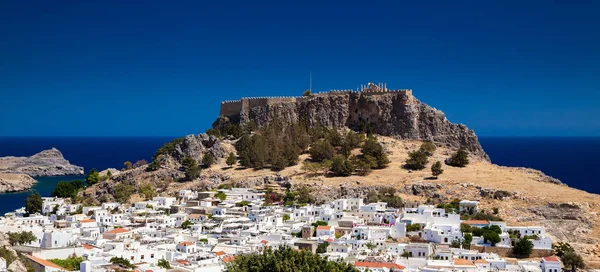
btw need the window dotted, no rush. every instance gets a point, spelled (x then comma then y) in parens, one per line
(142, 257)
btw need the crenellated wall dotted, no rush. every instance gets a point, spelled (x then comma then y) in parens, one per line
(235, 107)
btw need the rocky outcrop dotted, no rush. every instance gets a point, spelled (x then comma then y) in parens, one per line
(397, 114)
(195, 146)
(46, 163)
(15, 182)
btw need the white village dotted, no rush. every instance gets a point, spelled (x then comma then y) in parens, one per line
(204, 231)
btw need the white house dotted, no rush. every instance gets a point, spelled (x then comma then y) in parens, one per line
(550, 264)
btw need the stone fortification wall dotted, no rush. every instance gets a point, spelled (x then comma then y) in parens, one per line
(235, 107)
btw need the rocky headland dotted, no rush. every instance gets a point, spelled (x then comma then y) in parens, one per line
(15, 182)
(46, 163)
(395, 113)
(16, 172)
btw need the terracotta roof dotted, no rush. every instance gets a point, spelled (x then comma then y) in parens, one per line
(551, 259)
(45, 262)
(185, 243)
(184, 262)
(463, 262)
(482, 261)
(220, 253)
(228, 259)
(476, 222)
(378, 265)
(264, 242)
(87, 221)
(194, 216)
(324, 228)
(329, 240)
(119, 230)
(86, 246)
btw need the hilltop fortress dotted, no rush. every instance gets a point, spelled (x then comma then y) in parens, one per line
(234, 107)
(373, 107)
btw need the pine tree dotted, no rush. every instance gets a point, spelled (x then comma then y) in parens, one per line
(436, 169)
(231, 159)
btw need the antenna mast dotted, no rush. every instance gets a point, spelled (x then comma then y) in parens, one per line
(310, 81)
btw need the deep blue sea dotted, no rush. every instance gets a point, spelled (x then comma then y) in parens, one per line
(90, 152)
(571, 160)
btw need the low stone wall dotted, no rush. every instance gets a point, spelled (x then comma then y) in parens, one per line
(507, 252)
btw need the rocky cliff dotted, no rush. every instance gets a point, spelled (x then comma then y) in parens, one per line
(46, 163)
(396, 114)
(15, 182)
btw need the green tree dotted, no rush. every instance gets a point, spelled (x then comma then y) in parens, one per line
(492, 237)
(436, 169)
(64, 189)
(322, 150)
(231, 159)
(373, 148)
(208, 159)
(319, 223)
(341, 166)
(186, 224)
(78, 184)
(164, 264)
(322, 247)
(21, 238)
(71, 263)
(286, 259)
(522, 248)
(372, 197)
(416, 160)
(148, 191)
(573, 261)
(108, 173)
(33, 203)
(468, 238)
(286, 217)
(122, 261)
(122, 192)
(191, 169)
(428, 148)
(314, 168)
(221, 196)
(153, 166)
(307, 93)
(92, 177)
(459, 159)
(128, 165)
(560, 248)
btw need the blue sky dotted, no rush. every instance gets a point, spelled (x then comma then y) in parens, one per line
(146, 68)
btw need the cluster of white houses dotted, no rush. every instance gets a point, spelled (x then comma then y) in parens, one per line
(368, 235)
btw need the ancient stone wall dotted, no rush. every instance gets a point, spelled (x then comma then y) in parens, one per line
(235, 107)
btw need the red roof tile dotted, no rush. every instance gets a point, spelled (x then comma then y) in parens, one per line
(185, 243)
(220, 253)
(228, 259)
(551, 259)
(119, 230)
(463, 262)
(324, 228)
(45, 262)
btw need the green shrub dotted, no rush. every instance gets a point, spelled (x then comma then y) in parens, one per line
(459, 159)
(416, 160)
